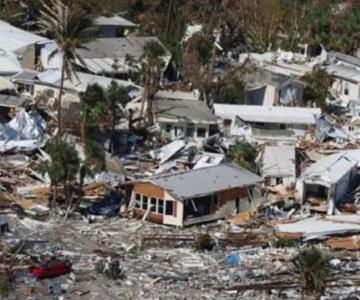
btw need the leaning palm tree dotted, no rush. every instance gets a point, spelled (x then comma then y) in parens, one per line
(71, 28)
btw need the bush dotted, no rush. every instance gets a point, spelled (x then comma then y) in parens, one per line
(204, 242)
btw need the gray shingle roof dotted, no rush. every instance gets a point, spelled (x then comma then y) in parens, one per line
(205, 181)
(116, 47)
(185, 110)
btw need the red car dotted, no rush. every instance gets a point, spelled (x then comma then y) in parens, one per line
(51, 269)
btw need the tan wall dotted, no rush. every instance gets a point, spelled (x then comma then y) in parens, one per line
(149, 189)
(28, 56)
(68, 96)
(153, 217)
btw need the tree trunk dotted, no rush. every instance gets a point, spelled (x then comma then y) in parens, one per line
(113, 124)
(59, 121)
(83, 127)
(168, 18)
(53, 201)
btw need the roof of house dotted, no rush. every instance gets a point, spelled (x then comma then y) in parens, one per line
(268, 114)
(80, 84)
(346, 72)
(278, 161)
(263, 77)
(183, 110)
(114, 21)
(9, 63)
(25, 76)
(205, 181)
(11, 101)
(102, 54)
(330, 169)
(345, 58)
(13, 38)
(170, 94)
(116, 47)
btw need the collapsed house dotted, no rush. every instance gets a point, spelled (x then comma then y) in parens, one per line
(179, 118)
(267, 88)
(278, 165)
(328, 181)
(345, 70)
(195, 196)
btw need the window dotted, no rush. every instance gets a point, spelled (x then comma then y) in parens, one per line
(216, 200)
(346, 88)
(168, 128)
(169, 208)
(161, 206)
(190, 130)
(153, 204)
(50, 93)
(145, 203)
(137, 200)
(201, 132)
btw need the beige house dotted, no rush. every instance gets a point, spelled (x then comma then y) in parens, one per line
(194, 196)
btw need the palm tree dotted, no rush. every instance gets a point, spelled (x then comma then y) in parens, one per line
(115, 95)
(151, 74)
(313, 266)
(71, 28)
(244, 154)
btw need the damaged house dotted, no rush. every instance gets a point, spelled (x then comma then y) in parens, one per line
(178, 118)
(278, 165)
(267, 88)
(119, 56)
(329, 180)
(266, 122)
(194, 196)
(34, 84)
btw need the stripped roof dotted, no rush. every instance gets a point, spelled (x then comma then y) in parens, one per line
(183, 110)
(205, 181)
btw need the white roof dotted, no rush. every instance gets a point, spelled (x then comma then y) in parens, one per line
(268, 114)
(114, 21)
(317, 227)
(330, 169)
(13, 38)
(170, 94)
(278, 161)
(345, 72)
(9, 64)
(52, 77)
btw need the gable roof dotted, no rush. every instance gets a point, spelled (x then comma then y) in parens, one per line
(13, 38)
(114, 21)
(190, 111)
(117, 47)
(330, 169)
(205, 181)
